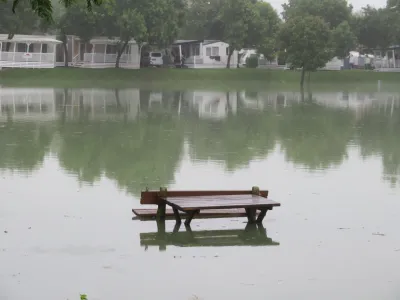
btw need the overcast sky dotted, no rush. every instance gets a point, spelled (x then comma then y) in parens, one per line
(356, 3)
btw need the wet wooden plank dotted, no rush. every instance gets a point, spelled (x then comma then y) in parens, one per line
(150, 213)
(220, 202)
(153, 197)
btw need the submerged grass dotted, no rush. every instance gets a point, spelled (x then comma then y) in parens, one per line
(190, 78)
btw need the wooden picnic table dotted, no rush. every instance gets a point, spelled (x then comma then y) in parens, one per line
(192, 205)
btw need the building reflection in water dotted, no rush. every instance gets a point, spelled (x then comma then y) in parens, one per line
(109, 127)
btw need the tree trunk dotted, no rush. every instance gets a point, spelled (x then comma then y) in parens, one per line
(64, 111)
(228, 64)
(120, 51)
(65, 47)
(140, 54)
(303, 73)
(116, 92)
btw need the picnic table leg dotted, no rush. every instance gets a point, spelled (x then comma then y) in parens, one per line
(177, 215)
(262, 215)
(251, 215)
(176, 227)
(188, 229)
(161, 235)
(161, 211)
(162, 206)
(190, 216)
(261, 229)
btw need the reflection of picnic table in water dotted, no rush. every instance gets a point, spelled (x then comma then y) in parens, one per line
(252, 235)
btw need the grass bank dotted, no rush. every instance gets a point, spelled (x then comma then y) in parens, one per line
(188, 78)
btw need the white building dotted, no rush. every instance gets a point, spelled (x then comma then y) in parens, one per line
(202, 54)
(28, 51)
(99, 52)
(45, 51)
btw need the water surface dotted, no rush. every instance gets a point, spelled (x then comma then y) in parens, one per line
(73, 164)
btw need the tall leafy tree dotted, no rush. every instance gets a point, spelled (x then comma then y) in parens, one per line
(44, 8)
(333, 12)
(202, 20)
(343, 39)
(236, 17)
(24, 21)
(373, 28)
(76, 20)
(117, 18)
(263, 30)
(307, 41)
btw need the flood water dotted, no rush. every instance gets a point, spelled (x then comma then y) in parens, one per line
(73, 164)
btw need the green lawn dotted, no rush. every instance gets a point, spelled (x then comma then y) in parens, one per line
(188, 78)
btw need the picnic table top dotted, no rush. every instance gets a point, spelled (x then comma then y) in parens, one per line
(220, 202)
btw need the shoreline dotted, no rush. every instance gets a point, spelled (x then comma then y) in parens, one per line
(220, 79)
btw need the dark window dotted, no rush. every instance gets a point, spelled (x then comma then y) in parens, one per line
(111, 49)
(44, 48)
(156, 54)
(21, 47)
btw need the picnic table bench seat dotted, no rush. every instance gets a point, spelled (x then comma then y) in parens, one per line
(149, 214)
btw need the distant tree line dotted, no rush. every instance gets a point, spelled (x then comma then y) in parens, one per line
(308, 35)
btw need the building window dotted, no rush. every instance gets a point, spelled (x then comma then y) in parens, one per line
(44, 48)
(215, 51)
(227, 50)
(208, 51)
(7, 47)
(111, 49)
(22, 47)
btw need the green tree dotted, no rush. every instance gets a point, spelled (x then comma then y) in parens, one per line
(373, 28)
(263, 30)
(343, 39)
(333, 12)
(307, 40)
(117, 18)
(202, 20)
(236, 17)
(24, 21)
(155, 22)
(76, 20)
(44, 8)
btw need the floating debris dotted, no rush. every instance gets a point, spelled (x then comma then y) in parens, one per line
(378, 233)
(344, 228)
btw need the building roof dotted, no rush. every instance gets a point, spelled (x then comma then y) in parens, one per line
(204, 42)
(106, 40)
(177, 42)
(208, 42)
(30, 38)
